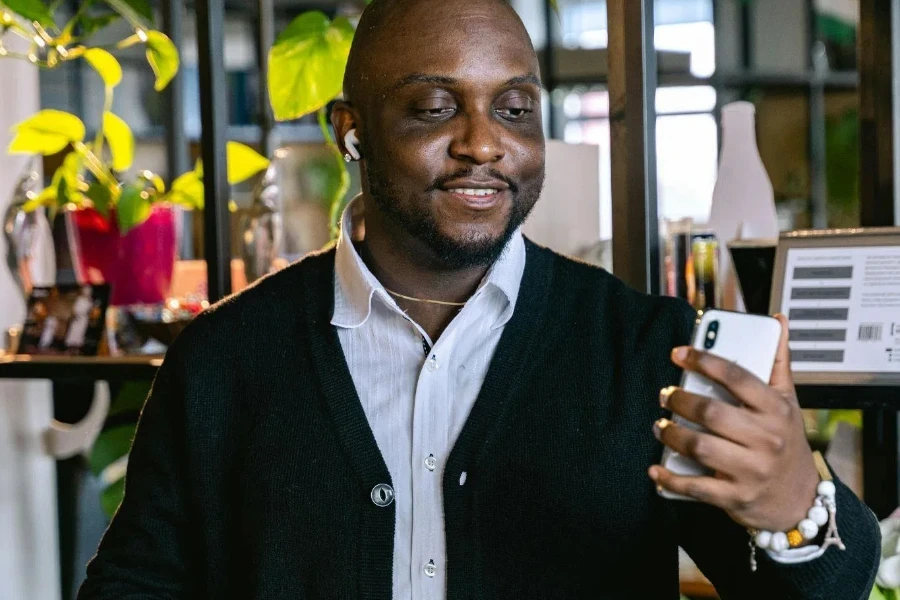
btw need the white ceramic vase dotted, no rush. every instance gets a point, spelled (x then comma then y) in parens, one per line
(743, 205)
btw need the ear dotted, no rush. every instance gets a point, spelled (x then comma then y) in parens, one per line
(344, 117)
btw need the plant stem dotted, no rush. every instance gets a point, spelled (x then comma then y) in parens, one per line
(20, 31)
(107, 106)
(67, 29)
(127, 13)
(18, 56)
(95, 165)
(334, 213)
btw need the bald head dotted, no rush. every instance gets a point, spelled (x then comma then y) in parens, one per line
(390, 31)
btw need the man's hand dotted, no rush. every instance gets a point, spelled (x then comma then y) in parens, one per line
(765, 476)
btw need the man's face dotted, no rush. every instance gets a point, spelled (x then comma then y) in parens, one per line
(453, 143)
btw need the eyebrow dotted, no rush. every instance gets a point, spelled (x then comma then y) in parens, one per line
(417, 78)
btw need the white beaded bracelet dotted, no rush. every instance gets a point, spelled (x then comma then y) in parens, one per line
(823, 512)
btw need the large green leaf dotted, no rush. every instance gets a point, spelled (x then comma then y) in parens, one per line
(121, 141)
(111, 497)
(243, 162)
(307, 63)
(133, 207)
(111, 445)
(105, 64)
(47, 132)
(163, 58)
(187, 190)
(31, 10)
(130, 399)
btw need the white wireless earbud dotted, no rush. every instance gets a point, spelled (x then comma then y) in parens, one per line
(350, 142)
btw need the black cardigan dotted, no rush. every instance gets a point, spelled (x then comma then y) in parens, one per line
(253, 463)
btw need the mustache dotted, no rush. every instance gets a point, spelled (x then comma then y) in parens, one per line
(441, 181)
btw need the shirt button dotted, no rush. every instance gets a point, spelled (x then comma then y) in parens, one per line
(433, 363)
(430, 462)
(430, 569)
(382, 495)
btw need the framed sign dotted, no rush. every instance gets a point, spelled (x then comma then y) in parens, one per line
(65, 320)
(840, 289)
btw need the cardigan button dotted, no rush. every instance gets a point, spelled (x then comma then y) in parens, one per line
(382, 495)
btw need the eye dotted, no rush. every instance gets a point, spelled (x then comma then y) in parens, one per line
(512, 113)
(435, 109)
(514, 108)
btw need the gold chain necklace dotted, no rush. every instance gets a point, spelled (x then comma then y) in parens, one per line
(438, 302)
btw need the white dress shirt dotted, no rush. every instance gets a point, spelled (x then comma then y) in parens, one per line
(416, 403)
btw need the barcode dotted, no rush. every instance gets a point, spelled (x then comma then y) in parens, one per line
(870, 332)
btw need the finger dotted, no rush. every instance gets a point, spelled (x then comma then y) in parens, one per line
(746, 387)
(733, 423)
(782, 378)
(713, 452)
(708, 490)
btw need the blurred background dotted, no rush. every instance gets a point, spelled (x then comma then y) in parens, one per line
(796, 61)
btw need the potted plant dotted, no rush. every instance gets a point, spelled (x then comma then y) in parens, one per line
(306, 72)
(124, 229)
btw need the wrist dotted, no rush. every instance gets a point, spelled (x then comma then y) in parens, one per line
(821, 516)
(806, 494)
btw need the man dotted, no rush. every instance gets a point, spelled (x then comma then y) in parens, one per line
(442, 409)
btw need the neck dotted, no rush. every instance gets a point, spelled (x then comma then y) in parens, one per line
(404, 264)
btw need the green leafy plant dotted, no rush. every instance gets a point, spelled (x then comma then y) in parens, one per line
(91, 175)
(306, 72)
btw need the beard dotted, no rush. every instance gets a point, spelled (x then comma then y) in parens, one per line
(452, 253)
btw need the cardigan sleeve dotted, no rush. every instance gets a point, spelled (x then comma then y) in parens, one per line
(720, 547)
(145, 551)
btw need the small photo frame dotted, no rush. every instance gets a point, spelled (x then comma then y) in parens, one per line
(65, 320)
(840, 290)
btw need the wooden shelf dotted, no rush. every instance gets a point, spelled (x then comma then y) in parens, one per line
(77, 368)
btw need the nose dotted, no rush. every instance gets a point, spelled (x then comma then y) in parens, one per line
(479, 140)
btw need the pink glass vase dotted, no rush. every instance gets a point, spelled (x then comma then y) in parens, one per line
(138, 265)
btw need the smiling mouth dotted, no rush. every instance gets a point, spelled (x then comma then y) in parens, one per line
(473, 192)
(477, 198)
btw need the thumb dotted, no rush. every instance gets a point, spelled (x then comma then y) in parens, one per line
(782, 378)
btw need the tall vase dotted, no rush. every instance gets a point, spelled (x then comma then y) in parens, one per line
(138, 265)
(30, 252)
(743, 203)
(261, 226)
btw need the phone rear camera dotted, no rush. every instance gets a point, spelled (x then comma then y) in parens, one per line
(712, 332)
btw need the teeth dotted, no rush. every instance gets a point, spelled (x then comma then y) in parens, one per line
(473, 192)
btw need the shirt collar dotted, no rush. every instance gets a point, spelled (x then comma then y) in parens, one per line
(355, 285)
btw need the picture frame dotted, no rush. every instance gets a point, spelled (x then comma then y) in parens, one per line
(65, 320)
(840, 289)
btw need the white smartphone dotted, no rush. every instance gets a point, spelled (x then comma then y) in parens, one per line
(751, 341)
